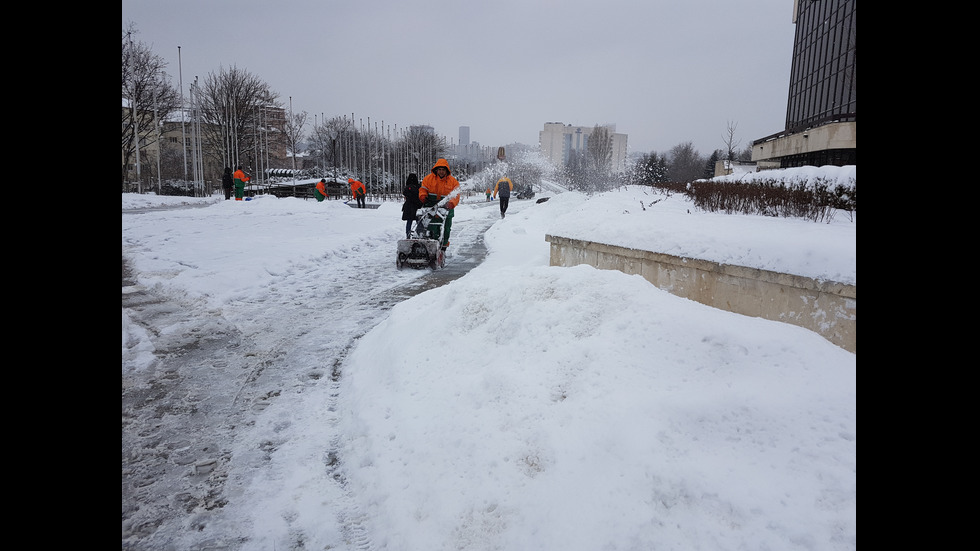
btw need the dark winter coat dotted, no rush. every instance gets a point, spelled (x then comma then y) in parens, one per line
(226, 182)
(411, 192)
(504, 187)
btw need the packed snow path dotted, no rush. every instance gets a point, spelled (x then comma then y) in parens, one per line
(208, 416)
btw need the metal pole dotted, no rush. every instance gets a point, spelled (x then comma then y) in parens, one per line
(292, 140)
(267, 144)
(156, 122)
(194, 126)
(183, 114)
(232, 122)
(133, 111)
(369, 160)
(257, 125)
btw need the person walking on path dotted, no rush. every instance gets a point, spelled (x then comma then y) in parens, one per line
(412, 203)
(227, 182)
(488, 195)
(437, 185)
(504, 191)
(320, 191)
(358, 191)
(240, 179)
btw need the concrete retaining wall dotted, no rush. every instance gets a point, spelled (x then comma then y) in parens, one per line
(826, 307)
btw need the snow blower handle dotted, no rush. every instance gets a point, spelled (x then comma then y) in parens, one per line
(442, 202)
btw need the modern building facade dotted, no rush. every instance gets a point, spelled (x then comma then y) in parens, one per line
(464, 135)
(557, 140)
(821, 110)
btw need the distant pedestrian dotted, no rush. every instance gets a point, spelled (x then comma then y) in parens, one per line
(320, 191)
(488, 195)
(227, 182)
(358, 191)
(240, 179)
(504, 187)
(410, 208)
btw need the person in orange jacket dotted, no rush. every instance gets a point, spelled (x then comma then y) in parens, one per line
(436, 186)
(320, 192)
(240, 179)
(358, 191)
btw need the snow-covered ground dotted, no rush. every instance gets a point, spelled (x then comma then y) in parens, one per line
(279, 392)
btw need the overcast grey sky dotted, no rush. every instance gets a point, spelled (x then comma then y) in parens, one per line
(664, 72)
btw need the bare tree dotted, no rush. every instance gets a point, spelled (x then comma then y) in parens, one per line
(731, 144)
(148, 97)
(599, 149)
(234, 107)
(589, 170)
(294, 131)
(328, 139)
(423, 148)
(598, 157)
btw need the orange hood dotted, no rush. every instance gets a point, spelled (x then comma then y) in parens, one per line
(443, 163)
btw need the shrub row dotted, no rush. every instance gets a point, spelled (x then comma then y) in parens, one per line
(817, 200)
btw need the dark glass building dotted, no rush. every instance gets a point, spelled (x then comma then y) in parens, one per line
(821, 110)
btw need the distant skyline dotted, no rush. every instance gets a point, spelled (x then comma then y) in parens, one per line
(662, 74)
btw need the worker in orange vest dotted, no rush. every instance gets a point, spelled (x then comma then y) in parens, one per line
(240, 179)
(358, 191)
(320, 192)
(438, 185)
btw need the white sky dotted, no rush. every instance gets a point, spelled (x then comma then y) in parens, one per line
(663, 72)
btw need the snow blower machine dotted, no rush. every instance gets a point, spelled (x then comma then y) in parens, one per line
(423, 248)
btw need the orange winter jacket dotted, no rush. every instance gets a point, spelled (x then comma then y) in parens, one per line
(354, 186)
(239, 175)
(439, 187)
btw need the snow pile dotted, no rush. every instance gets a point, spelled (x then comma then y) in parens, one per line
(832, 176)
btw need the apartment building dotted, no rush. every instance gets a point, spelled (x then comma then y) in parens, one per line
(557, 140)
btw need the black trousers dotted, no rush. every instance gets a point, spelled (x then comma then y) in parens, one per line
(503, 204)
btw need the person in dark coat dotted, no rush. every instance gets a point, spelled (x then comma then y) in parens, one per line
(412, 203)
(504, 187)
(227, 183)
